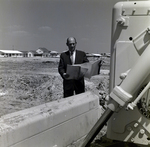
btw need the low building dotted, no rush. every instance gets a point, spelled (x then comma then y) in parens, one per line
(42, 50)
(32, 54)
(46, 54)
(10, 53)
(25, 53)
(54, 54)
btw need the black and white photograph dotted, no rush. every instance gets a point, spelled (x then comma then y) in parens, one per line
(74, 73)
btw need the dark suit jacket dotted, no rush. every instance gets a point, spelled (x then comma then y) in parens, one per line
(64, 60)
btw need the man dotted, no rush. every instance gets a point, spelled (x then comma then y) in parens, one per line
(72, 56)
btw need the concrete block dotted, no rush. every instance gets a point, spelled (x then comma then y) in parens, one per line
(58, 123)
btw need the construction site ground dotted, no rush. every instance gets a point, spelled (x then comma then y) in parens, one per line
(28, 82)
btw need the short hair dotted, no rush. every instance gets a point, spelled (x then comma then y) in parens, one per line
(70, 38)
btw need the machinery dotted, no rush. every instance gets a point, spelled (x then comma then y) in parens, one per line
(128, 110)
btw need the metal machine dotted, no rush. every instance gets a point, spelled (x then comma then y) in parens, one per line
(128, 109)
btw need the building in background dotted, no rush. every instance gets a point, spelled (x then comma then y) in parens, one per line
(25, 53)
(42, 51)
(54, 54)
(31, 54)
(10, 53)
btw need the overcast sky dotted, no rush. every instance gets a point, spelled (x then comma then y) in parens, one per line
(30, 24)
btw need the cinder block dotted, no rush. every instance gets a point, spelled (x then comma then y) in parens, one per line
(58, 123)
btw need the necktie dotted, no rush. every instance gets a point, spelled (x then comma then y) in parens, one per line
(71, 57)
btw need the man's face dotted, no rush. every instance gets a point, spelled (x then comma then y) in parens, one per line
(71, 44)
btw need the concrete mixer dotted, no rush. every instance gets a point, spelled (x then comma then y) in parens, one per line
(128, 110)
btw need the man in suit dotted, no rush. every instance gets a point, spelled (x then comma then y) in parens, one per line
(72, 56)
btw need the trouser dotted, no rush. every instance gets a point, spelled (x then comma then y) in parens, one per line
(73, 86)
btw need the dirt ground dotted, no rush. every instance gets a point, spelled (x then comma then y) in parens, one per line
(28, 82)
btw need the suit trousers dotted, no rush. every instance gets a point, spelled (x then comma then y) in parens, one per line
(71, 86)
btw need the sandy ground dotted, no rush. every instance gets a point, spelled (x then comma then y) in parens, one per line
(28, 82)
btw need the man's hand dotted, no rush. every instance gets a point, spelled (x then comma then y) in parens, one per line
(65, 75)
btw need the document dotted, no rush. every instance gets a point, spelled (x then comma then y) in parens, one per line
(73, 71)
(87, 70)
(93, 69)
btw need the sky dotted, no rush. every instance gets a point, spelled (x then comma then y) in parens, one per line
(26, 25)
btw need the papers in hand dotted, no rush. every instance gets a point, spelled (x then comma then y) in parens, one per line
(87, 70)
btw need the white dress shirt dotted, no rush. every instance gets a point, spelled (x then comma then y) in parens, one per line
(73, 56)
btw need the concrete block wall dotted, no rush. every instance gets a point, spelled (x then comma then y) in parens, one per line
(55, 124)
